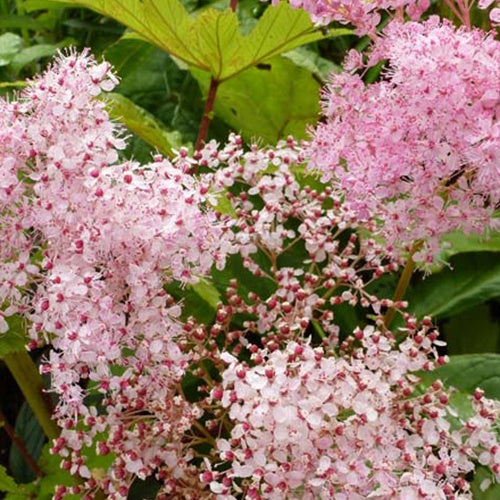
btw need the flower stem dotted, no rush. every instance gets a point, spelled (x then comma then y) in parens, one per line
(30, 382)
(207, 113)
(403, 283)
(19, 444)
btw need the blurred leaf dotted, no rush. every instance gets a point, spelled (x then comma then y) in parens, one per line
(30, 54)
(468, 371)
(33, 5)
(128, 54)
(313, 62)
(10, 45)
(7, 484)
(474, 278)
(14, 339)
(270, 101)
(201, 307)
(54, 475)
(247, 282)
(207, 292)
(459, 243)
(19, 84)
(92, 26)
(20, 22)
(29, 431)
(142, 123)
(492, 493)
(458, 330)
(145, 490)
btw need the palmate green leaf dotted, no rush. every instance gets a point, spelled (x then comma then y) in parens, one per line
(473, 278)
(281, 29)
(142, 123)
(269, 102)
(164, 23)
(212, 41)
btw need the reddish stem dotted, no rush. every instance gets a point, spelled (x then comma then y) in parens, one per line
(233, 4)
(19, 444)
(207, 113)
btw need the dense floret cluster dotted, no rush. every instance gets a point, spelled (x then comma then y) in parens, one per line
(417, 151)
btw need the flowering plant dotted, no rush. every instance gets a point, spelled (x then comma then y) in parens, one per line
(303, 374)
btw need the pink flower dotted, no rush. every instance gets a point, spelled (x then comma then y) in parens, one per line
(417, 151)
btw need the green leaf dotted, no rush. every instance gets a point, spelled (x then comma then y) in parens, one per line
(207, 292)
(22, 22)
(308, 59)
(458, 242)
(33, 437)
(10, 45)
(280, 29)
(492, 493)
(54, 476)
(479, 319)
(144, 489)
(164, 23)
(247, 282)
(152, 79)
(7, 484)
(142, 123)
(33, 5)
(14, 340)
(270, 101)
(213, 41)
(474, 278)
(30, 54)
(468, 371)
(128, 55)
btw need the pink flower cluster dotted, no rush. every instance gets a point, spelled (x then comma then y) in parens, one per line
(342, 420)
(310, 424)
(417, 151)
(88, 245)
(363, 14)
